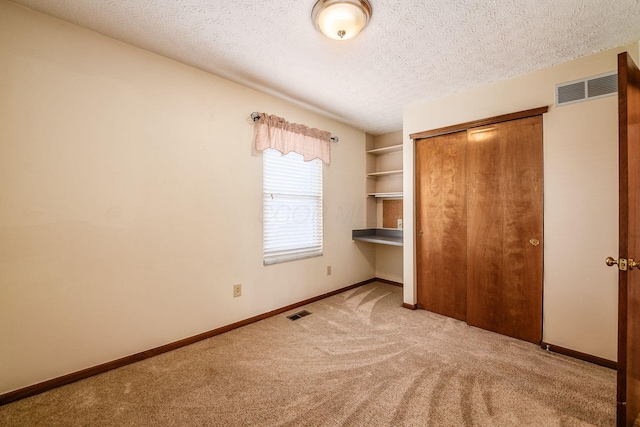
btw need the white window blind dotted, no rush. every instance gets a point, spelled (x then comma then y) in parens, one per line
(292, 206)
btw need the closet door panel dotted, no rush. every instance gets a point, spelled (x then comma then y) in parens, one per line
(504, 228)
(441, 223)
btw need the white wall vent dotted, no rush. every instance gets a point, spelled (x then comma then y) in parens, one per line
(585, 89)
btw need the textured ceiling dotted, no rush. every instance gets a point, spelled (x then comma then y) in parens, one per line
(411, 51)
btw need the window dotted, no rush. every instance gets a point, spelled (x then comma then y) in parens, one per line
(292, 207)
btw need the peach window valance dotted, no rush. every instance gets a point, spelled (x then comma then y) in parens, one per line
(277, 133)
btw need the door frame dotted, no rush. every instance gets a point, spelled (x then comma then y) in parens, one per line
(628, 375)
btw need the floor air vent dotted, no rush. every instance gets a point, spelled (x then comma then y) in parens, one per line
(298, 315)
(590, 88)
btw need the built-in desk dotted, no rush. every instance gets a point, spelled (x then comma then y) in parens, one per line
(381, 236)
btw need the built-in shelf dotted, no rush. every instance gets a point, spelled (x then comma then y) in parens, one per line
(383, 190)
(394, 195)
(385, 150)
(384, 173)
(381, 236)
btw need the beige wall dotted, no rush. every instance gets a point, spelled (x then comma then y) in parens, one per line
(130, 202)
(580, 194)
(389, 263)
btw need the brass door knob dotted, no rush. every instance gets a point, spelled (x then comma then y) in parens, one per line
(622, 263)
(420, 233)
(534, 241)
(610, 261)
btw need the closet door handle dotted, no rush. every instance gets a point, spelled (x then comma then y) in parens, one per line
(420, 233)
(534, 241)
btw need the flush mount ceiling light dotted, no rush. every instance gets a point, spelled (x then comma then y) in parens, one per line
(341, 19)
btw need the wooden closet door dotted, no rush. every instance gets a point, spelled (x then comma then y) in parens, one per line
(504, 228)
(441, 223)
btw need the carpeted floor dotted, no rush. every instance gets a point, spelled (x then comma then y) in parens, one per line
(358, 360)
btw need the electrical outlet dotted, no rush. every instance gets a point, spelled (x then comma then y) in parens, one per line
(400, 223)
(237, 290)
(328, 270)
